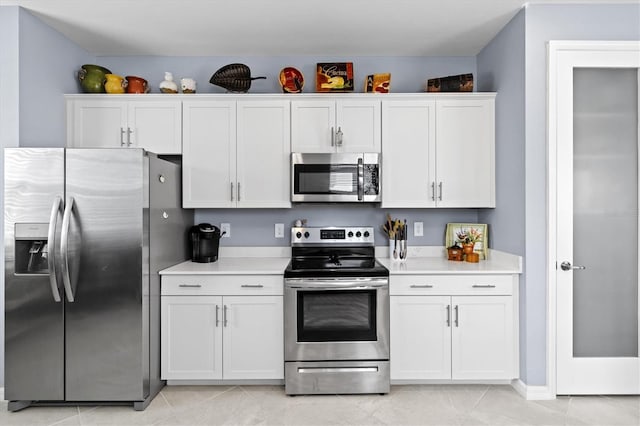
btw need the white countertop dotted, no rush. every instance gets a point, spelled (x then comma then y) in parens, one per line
(231, 266)
(421, 260)
(441, 266)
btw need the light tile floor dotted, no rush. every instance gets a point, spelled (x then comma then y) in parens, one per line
(405, 405)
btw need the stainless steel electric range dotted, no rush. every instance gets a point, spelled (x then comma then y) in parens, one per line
(336, 313)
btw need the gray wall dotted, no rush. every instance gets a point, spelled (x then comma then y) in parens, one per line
(501, 68)
(544, 23)
(515, 65)
(37, 64)
(408, 74)
(256, 227)
(9, 128)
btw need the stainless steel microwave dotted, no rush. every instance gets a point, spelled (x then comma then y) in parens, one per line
(340, 177)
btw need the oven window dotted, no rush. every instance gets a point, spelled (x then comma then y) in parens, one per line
(326, 179)
(334, 316)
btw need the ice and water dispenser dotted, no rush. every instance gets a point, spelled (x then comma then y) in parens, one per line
(32, 248)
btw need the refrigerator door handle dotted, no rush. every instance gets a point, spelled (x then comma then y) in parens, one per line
(64, 249)
(53, 220)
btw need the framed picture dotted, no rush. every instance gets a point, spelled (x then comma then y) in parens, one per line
(456, 232)
(334, 77)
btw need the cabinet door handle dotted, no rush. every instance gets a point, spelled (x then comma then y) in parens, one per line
(129, 131)
(238, 191)
(190, 285)
(122, 136)
(333, 136)
(483, 286)
(456, 322)
(224, 315)
(421, 286)
(433, 191)
(440, 191)
(448, 315)
(231, 191)
(252, 285)
(217, 310)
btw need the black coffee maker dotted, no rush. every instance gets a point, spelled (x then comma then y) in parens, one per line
(205, 240)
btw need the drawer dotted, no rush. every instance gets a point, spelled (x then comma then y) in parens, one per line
(222, 285)
(452, 284)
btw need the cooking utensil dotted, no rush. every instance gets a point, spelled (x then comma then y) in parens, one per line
(234, 78)
(395, 246)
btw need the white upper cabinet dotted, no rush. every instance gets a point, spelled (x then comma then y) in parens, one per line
(439, 151)
(465, 152)
(124, 121)
(236, 153)
(335, 125)
(408, 153)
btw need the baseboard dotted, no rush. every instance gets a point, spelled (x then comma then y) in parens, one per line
(2, 394)
(532, 392)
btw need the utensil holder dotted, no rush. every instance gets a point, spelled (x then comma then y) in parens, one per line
(398, 250)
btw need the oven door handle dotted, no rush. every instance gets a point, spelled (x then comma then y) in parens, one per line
(334, 286)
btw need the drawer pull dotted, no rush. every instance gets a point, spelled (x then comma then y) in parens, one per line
(252, 285)
(190, 285)
(421, 286)
(483, 286)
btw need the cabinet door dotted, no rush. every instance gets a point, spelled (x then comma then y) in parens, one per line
(156, 126)
(209, 154)
(253, 337)
(312, 125)
(465, 153)
(483, 338)
(408, 152)
(263, 154)
(359, 122)
(191, 338)
(97, 124)
(420, 337)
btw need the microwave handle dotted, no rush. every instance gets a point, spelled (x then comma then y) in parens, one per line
(360, 179)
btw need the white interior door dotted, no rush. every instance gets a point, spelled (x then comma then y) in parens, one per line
(597, 222)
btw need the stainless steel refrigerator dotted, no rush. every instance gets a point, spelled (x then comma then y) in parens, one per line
(86, 231)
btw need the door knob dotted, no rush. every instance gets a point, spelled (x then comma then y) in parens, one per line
(566, 266)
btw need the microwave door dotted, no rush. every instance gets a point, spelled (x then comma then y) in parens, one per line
(326, 182)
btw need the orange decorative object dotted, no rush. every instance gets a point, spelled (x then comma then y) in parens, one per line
(454, 253)
(472, 257)
(137, 84)
(291, 80)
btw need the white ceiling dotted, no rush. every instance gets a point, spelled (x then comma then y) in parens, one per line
(280, 27)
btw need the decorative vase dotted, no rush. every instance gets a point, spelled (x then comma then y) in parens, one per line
(188, 85)
(114, 83)
(467, 248)
(136, 84)
(92, 78)
(168, 85)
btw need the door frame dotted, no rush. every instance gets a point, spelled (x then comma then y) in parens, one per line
(557, 49)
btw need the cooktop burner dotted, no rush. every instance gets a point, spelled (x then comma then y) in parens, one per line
(331, 251)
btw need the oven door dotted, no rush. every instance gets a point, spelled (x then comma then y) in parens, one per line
(336, 319)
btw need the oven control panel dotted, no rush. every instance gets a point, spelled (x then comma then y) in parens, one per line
(332, 235)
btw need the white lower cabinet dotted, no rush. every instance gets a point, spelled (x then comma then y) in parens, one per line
(455, 336)
(205, 336)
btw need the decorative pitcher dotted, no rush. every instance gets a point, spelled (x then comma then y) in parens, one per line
(92, 78)
(114, 83)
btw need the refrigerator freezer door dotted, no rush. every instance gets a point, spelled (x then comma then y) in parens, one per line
(34, 321)
(106, 341)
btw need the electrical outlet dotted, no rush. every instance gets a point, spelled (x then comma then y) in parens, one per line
(226, 228)
(279, 230)
(418, 230)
